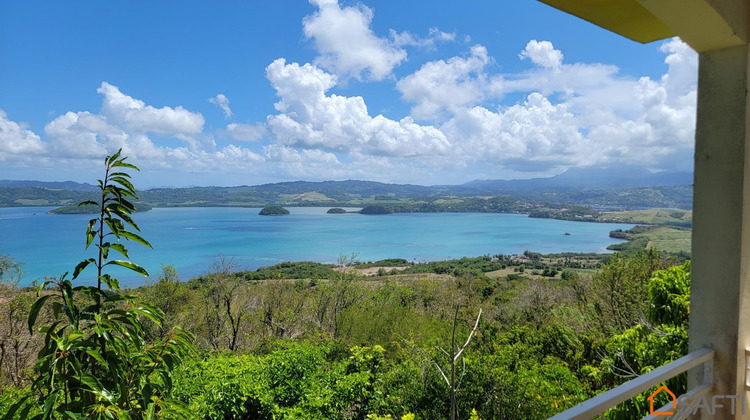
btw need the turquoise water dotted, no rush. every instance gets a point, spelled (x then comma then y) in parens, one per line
(192, 238)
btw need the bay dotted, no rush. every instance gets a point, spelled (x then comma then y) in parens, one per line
(192, 238)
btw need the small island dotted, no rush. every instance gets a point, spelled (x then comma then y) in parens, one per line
(92, 209)
(336, 210)
(273, 211)
(377, 209)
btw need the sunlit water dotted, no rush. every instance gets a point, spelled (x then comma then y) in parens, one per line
(192, 238)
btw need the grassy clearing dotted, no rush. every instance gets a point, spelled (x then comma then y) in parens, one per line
(673, 240)
(308, 196)
(664, 217)
(39, 202)
(670, 240)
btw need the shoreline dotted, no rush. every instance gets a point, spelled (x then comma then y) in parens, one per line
(189, 264)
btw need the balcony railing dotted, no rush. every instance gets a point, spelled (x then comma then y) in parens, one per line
(602, 402)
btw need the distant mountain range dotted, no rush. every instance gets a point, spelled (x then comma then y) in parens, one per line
(589, 179)
(623, 187)
(574, 178)
(63, 185)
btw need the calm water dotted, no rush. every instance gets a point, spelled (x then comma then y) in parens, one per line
(191, 238)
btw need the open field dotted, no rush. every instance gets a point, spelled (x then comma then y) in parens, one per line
(308, 196)
(673, 240)
(671, 217)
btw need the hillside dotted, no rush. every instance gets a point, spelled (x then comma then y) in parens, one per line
(600, 189)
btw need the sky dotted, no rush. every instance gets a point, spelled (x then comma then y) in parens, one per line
(233, 92)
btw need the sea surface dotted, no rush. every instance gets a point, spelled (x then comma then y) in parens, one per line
(192, 238)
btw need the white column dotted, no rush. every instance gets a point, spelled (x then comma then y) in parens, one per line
(720, 290)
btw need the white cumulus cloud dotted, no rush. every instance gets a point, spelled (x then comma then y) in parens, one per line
(18, 141)
(346, 43)
(542, 53)
(311, 119)
(532, 136)
(135, 115)
(440, 86)
(87, 135)
(597, 117)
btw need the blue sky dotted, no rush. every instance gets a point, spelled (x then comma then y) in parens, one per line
(240, 92)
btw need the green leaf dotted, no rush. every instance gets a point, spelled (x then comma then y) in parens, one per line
(124, 192)
(49, 403)
(104, 249)
(125, 165)
(90, 232)
(135, 237)
(114, 227)
(130, 266)
(88, 203)
(153, 316)
(111, 282)
(34, 312)
(122, 181)
(81, 265)
(95, 354)
(179, 407)
(93, 383)
(122, 212)
(91, 291)
(112, 190)
(120, 248)
(42, 286)
(128, 205)
(150, 411)
(122, 174)
(12, 411)
(114, 157)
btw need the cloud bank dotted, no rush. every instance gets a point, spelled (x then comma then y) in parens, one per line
(460, 123)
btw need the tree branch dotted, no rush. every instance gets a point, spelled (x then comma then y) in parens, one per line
(476, 324)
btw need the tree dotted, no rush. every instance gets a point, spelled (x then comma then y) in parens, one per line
(620, 289)
(17, 347)
(454, 384)
(226, 307)
(660, 339)
(96, 361)
(344, 291)
(171, 296)
(10, 272)
(282, 306)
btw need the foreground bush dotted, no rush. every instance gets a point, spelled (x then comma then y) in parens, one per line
(96, 361)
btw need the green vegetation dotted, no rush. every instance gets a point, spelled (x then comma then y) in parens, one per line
(389, 262)
(501, 336)
(304, 340)
(273, 211)
(377, 209)
(663, 217)
(575, 213)
(644, 347)
(336, 210)
(672, 240)
(95, 359)
(93, 209)
(458, 198)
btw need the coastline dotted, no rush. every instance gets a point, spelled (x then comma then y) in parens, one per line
(190, 238)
